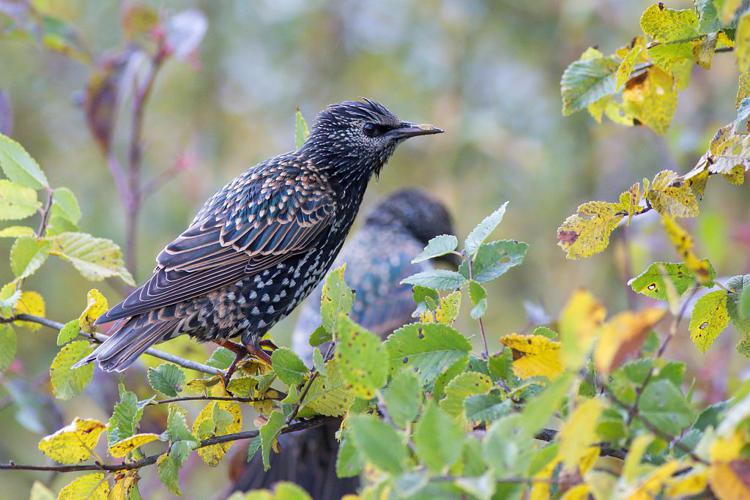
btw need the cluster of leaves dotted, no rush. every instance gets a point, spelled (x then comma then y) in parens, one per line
(679, 39)
(57, 235)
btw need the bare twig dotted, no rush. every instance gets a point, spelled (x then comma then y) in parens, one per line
(313, 375)
(212, 398)
(481, 323)
(150, 460)
(98, 337)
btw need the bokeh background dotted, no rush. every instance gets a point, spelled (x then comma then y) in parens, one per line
(487, 71)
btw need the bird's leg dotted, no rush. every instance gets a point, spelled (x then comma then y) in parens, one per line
(240, 352)
(256, 350)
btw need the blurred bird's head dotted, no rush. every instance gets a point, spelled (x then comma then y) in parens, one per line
(416, 212)
(356, 138)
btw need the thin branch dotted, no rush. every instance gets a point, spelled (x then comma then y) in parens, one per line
(313, 375)
(486, 353)
(55, 325)
(42, 230)
(156, 183)
(211, 398)
(150, 460)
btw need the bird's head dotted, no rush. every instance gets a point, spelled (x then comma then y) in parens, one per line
(358, 137)
(417, 213)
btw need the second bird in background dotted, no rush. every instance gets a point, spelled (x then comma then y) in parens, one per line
(377, 257)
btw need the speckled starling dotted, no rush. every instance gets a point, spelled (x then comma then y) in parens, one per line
(261, 244)
(378, 256)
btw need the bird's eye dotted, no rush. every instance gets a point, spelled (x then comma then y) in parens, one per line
(374, 129)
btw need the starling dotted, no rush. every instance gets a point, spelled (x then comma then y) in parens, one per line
(378, 256)
(261, 244)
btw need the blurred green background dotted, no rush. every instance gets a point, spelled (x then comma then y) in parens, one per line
(486, 71)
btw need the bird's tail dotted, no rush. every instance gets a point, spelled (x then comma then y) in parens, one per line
(130, 339)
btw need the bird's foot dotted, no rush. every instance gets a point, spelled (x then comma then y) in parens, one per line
(259, 351)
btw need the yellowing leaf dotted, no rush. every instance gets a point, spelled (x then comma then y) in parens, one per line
(710, 317)
(95, 258)
(534, 355)
(587, 232)
(655, 481)
(121, 448)
(683, 243)
(449, 307)
(40, 492)
(730, 480)
(651, 98)
(30, 303)
(74, 442)
(630, 56)
(125, 482)
(669, 194)
(742, 43)
(727, 448)
(578, 432)
(16, 201)
(623, 335)
(215, 419)
(668, 25)
(96, 305)
(580, 323)
(577, 492)
(630, 200)
(688, 484)
(88, 487)
(632, 466)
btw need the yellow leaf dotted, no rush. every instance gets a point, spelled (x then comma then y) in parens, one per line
(742, 43)
(121, 448)
(588, 459)
(578, 432)
(540, 489)
(649, 488)
(688, 484)
(730, 480)
(632, 467)
(580, 323)
(125, 482)
(448, 309)
(88, 487)
(30, 303)
(709, 318)
(667, 25)
(727, 448)
(630, 56)
(96, 305)
(215, 419)
(669, 194)
(577, 492)
(623, 335)
(683, 243)
(651, 98)
(534, 355)
(630, 200)
(74, 442)
(743, 88)
(587, 232)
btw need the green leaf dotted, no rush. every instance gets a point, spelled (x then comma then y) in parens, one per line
(438, 279)
(737, 302)
(268, 434)
(7, 346)
(464, 385)
(669, 25)
(126, 415)
(17, 201)
(651, 281)
(336, 298)
(253, 448)
(541, 408)
(710, 317)
(348, 461)
(744, 304)
(495, 259)
(95, 258)
(403, 397)
(486, 407)
(328, 394)
(483, 230)
(177, 428)
(587, 80)
(437, 439)
(378, 443)
(221, 358)
(501, 365)
(502, 448)
(429, 349)
(68, 332)
(288, 366)
(708, 16)
(67, 381)
(66, 203)
(301, 131)
(362, 358)
(16, 232)
(27, 255)
(437, 247)
(478, 296)
(167, 379)
(19, 166)
(320, 336)
(664, 406)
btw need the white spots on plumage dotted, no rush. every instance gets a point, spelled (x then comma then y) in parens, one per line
(255, 311)
(265, 298)
(270, 310)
